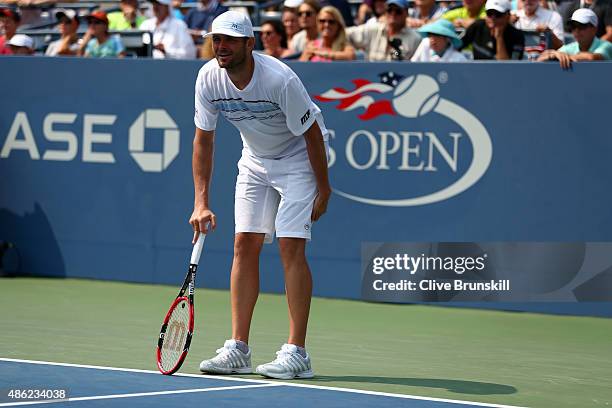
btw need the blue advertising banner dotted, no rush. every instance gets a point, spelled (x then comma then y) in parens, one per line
(95, 158)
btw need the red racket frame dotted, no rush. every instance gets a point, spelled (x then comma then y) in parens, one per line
(189, 282)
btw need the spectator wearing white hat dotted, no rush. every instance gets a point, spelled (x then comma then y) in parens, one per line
(534, 17)
(601, 8)
(494, 37)
(587, 46)
(68, 43)
(9, 21)
(171, 37)
(21, 45)
(439, 44)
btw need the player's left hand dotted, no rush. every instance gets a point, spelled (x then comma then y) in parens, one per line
(320, 204)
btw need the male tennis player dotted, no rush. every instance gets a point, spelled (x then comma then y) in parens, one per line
(282, 185)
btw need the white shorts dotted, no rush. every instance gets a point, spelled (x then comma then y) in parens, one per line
(275, 195)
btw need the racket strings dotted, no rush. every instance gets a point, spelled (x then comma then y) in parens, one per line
(176, 335)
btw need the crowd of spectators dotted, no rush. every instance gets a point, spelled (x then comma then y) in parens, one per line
(330, 30)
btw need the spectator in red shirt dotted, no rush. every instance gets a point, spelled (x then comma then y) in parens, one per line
(9, 21)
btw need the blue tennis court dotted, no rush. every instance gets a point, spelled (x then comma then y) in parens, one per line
(90, 386)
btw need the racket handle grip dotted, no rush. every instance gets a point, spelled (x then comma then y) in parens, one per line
(197, 249)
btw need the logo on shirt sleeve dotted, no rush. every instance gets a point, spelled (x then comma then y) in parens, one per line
(304, 118)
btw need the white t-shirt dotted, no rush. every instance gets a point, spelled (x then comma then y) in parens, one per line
(549, 18)
(173, 34)
(298, 42)
(424, 53)
(272, 112)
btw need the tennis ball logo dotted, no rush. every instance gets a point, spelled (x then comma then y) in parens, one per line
(416, 96)
(154, 161)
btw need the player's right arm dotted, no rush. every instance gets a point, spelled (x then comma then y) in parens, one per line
(202, 164)
(205, 120)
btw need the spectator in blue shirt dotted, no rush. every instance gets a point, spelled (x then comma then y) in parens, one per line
(200, 18)
(587, 46)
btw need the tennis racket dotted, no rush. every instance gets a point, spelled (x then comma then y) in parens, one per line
(177, 329)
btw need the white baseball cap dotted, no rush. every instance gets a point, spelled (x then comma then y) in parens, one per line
(503, 6)
(232, 23)
(585, 16)
(21, 40)
(164, 2)
(292, 3)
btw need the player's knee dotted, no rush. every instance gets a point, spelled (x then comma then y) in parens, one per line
(247, 244)
(292, 248)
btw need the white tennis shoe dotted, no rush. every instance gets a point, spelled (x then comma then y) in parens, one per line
(229, 360)
(289, 364)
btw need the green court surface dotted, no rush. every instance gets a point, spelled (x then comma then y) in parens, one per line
(475, 355)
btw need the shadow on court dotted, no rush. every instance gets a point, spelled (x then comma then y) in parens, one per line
(456, 386)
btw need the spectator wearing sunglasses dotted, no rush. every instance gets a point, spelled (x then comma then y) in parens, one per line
(97, 42)
(273, 38)
(587, 46)
(464, 16)
(494, 38)
(440, 43)
(388, 41)
(9, 21)
(307, 18)
(344, 7)
(331, 44)
(68, 43)
(535, 17)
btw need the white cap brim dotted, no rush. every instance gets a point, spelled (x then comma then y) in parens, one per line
(225, 32)
(583, 20)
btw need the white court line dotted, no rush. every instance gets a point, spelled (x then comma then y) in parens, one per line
(138, 394)
(287, 384)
